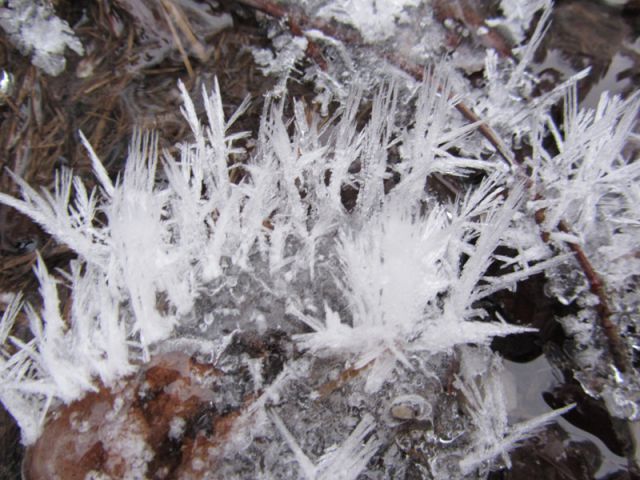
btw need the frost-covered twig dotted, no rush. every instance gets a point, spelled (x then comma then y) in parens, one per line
(617, 347)
(586, 191)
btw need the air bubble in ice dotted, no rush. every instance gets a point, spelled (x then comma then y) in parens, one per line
(410, 407)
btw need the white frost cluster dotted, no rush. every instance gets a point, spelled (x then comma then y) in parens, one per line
(147, 249)
(375, 20)
(33, 27)
(518, 16)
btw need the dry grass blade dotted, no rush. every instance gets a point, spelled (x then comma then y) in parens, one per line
(185, 27)
(176, 38)
(616, 346)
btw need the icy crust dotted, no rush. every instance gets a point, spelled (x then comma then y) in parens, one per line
(590, 182)
(250, 406)
(319, 423)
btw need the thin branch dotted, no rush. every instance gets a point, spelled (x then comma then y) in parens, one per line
(597, 287)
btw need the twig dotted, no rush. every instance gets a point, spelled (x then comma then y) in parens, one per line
(617, 347)
(14, 108)
(183, 24)
(469, 14)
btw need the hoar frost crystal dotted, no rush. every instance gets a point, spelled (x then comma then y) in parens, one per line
(374, 309)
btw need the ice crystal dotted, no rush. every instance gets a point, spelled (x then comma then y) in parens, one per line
(376, 20)
(344, 462)
(288, 51)
(173, 239)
